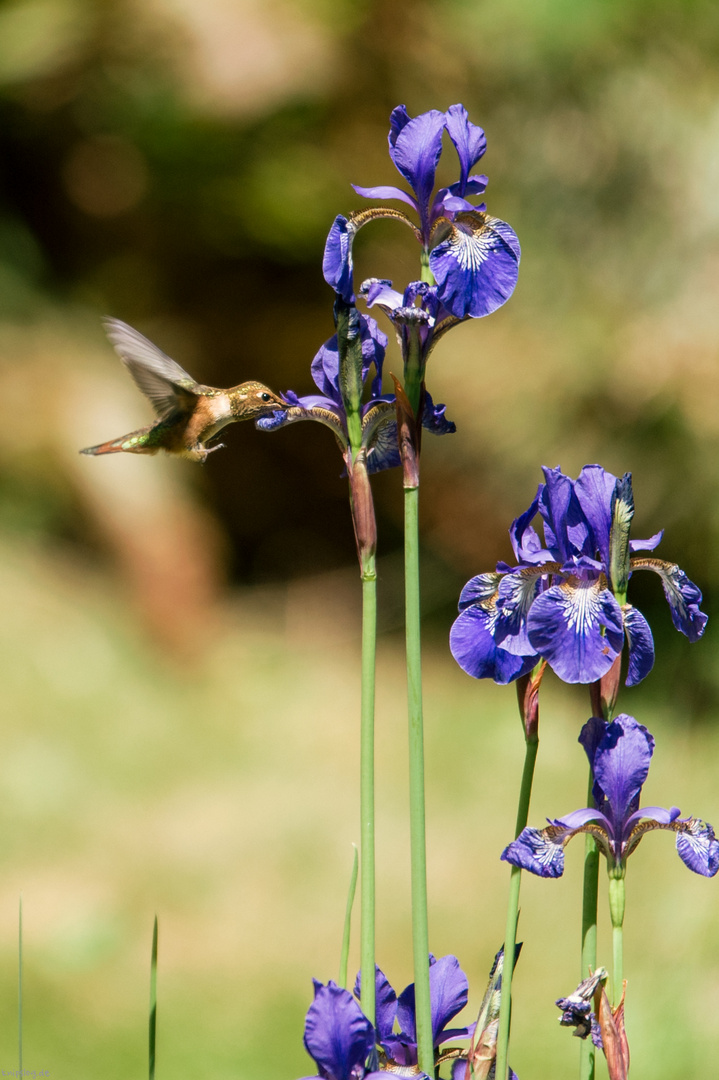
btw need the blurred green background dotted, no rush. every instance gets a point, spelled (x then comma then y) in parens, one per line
(179, 660)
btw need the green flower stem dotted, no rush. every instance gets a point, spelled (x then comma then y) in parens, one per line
(367, 827)
(589, 930)
(425, 272)
(344, 954)
(420, 931)
(510, 933)
(616, 909)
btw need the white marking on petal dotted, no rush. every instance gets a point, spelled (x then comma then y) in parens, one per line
(470, 250)
(581, 605)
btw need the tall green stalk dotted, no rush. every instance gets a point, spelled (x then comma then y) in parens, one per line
(420, 931)
(510, 933)
(367, 812)
(589, 930)
(616, 910)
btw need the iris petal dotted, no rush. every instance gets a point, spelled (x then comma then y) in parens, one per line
(594, 488)
(621, 764)
(415, 149)
(476, 267)
(577, 628)
(538, 852)
(469, 140)
(474, 649)
(337, 1034)
(337, 260)
(698, 848)
(641, 645)
(448, 990)
(515, 595)
(682, 595)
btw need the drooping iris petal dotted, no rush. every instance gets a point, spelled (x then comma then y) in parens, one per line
(515, 596)
(621, 765)
(537, 852)
(337, 260)
(476, 266)
(682, 595)
(473, 647)
(337, 1034)
(469, 140)
(698, 848)
(577, 628)
(641, 645)
(382, 448)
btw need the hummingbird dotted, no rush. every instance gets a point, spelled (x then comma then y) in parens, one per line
(190, 414)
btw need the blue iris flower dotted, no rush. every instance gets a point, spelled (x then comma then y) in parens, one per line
(338, 1036)
(378, 416)
(565, 600)
(619, 753)
(474, 257)
(448, 991)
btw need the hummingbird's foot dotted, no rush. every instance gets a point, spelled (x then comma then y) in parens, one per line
(211, 449)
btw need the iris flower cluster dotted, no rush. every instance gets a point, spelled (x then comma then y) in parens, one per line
(565, 600)
(474, 260)
(619, 754)
(342, 1040)
(473, 257)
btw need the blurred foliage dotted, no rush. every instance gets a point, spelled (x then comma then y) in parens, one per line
(178, 165)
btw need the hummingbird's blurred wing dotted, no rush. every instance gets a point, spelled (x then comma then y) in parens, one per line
(164, 382)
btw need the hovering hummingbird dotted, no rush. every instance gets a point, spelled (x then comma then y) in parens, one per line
(189, 414)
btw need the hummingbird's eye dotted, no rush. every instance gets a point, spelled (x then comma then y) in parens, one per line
(264, 397)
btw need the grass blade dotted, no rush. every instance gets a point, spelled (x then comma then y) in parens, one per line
(348, 919)
(153, 1000)
(19, 987)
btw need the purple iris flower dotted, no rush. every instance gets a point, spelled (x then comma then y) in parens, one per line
(474, 257)
(338, 1035)
(448, 991)
(379, 421)
(619, 754)
(419, 319)
(565, 600)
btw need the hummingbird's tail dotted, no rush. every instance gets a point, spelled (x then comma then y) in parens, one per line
(134, 443)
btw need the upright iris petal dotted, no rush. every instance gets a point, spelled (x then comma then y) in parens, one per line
(338, 1035)
(448, 989)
